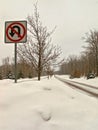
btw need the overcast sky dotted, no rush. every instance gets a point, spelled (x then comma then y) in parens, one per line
(73, 19)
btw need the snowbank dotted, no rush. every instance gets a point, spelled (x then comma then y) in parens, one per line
(45, 105)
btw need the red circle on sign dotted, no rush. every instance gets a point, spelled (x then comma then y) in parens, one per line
(20, 36)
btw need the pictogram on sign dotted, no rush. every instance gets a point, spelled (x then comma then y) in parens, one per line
(15, 31)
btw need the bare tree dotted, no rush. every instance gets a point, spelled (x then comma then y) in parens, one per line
(92, 39)
(6, 68)
(88, 60)
(38, 50)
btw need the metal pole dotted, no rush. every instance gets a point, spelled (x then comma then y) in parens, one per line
(15, 62)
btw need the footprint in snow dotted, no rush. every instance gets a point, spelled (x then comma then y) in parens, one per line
(44, 113)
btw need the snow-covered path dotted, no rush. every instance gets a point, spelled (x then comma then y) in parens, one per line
(45, 105)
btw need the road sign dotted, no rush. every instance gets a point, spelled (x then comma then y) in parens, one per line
(15, 31)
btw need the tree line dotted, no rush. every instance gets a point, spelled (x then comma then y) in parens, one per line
(87, 62)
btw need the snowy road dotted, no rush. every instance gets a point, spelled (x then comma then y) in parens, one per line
(82, 87)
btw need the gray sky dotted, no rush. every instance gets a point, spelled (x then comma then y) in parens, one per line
(73, 19)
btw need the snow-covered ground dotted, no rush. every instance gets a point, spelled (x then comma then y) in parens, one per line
(46, 105)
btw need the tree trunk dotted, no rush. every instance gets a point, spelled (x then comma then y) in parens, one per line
(97, 65)
(39, 75)
(97, 60)
(39, 66)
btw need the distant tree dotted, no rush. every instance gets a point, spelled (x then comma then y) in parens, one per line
(92, 39)
(24, 69)
(38, 50)
(20, 75)
(73, 66)
(5, 67)
(0, 76)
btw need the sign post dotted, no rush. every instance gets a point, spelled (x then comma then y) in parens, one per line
(15, 32)
(15, 68)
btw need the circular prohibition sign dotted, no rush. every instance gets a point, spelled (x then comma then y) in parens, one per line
(20, 36)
